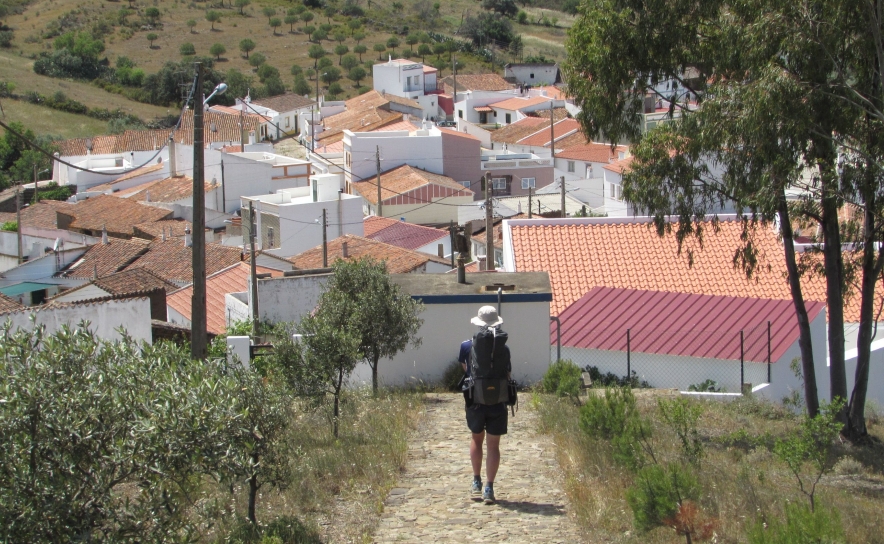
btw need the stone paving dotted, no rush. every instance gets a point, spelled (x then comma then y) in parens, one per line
(431, 502)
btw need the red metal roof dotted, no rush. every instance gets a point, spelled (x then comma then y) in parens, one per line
(400, 233)
(688, 325)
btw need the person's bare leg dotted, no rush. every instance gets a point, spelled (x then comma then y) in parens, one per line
(476, 452)
(492, 461)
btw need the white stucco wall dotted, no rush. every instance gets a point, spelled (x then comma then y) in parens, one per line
(288, 299)
(447, 325)
(875, 391)
(104, 318)
(421, 149)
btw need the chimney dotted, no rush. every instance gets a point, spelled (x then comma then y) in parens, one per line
(163, 235)
(94, 271)
(188, 239)
(344, 251)
(251, 137)
(405, 117)
(173, 160)
(104, 235)
(147, 196)
(481, 263)
(440, 248)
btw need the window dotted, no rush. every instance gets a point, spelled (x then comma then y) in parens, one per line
(460, 114)
(466, 184)
(616, 191)
(588, 171)
(508, 118)
(571, 166)
(531, 76)
(286, 122)
(498, 183)
(621, 155)
(347, 159)
(417, 80)
(528, 183)
(408, 81)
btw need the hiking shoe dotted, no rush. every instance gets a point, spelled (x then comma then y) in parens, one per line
(476, 488)
(488, 495)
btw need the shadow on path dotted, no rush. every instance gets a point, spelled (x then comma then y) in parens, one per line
(532, 507)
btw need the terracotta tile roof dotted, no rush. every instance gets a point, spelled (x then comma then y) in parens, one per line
(578, 138)
(552, 91)
(558, 113)
(364, 113)
(477, 82)
(149, 231)
(681, 324)
(517, 103)
(9, 305)
(629, 255)
(522, 128)
(400, 233)
(561, 129)
(285, 102)
(591, 153)
(399, 260)
(106, 259)
(406, 178)
(452, 132)
(169, 190)
(234, 111)
(621, 166)
(125, 177)
(119, 215)
(41, 214)
(227, 129)
(232, 279)
(133, 281)
(172, 260)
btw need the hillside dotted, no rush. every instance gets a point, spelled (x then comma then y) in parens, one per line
(125, 26)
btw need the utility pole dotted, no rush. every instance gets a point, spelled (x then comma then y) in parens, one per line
(253, 272)
(35, 183)
(489, 226)
(451, 240)
(378, 162)
(454, 75)
(563, 195)
(242, 129)
(529, 203)
(552, 135)
(18, 220)
(223, 190)
(324, 240)
(198, 302)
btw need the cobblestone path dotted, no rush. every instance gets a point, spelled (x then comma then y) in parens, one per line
(431, 502)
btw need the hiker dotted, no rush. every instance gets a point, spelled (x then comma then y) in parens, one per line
(485, 395)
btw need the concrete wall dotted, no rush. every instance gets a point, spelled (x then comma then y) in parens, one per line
(423, 150)
(42, 269)
(875, 391)
(542, 74)
(104, 318)
(33, 247)
(422, 214)
(477, 131)
(543, 176)
(447, 325)
(65, 175)
(461, 158)
(285, 300)
(237, 308)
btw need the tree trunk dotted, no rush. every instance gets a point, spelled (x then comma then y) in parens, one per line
(834, 267)
(253, 489)
(811, 396)
(374, 377)
(337, 399)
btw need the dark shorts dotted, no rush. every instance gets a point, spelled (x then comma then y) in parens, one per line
(491, 419)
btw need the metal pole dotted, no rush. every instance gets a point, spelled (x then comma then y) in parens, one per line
(768, 352)
(451, 240)
(377, 156)
(253, 273)
(558, 336)
(198, 303)
(742, 377)
(563, 196)
(499, 296)
(18, 221)
(242, 129)
(324, 241)
(628, 353)
(530, 204)
(489, 226)
(223, 190)
(35, 184)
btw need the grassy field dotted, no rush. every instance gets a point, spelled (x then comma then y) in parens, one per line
(741, 481)
(47, 121)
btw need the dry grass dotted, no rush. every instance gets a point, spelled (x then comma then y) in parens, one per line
(339, 485)
(740, 483)
(44, 120)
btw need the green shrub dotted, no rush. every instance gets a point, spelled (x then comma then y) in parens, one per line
(562, 379)
(452, 376)
(9, 226)
(682, 416)
(802, 525)
(706, 386)
(282, 530)
(187, 49)
(609, 379)
(605, 417)
(657, 493)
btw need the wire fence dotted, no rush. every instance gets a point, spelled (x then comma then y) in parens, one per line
(721, 361)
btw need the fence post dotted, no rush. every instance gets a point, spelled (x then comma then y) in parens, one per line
(628, 355)
(558, 336)
(742, 378)
(768, 352)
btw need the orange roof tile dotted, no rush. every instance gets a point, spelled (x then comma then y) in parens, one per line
(173, 261)
(233, 279)
(285, 102)
(620, 167)
(118, 215)
(477, 82)
(561, 129)
(174, 229)
(405, 178)
(400, 233)
(593, 152)
(590, 253)
(522, 128)
(9, 305)
(517, 103)
(106, 259)
(42, 214)
(169, 190)
(399, 260)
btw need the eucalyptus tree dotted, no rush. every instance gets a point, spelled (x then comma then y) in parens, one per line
(776, 88)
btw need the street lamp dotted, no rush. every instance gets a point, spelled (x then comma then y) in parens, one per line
(198, 334)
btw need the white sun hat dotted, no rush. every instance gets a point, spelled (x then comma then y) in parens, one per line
(487, 317)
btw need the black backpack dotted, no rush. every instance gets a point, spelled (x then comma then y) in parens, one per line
(489, 367)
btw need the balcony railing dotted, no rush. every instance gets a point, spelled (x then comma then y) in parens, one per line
(525, 163)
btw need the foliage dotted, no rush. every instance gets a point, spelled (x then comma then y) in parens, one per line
(682, 417)
(562, 378)
(247, 45)
(706, 386)
(615, 417)
(52, 191)
(217, 50)
(657, 493)
(9, 226)
(357, 74)
(382, 316)
(6, 38)
(213, 17)
(609, 379)
(17, 159)
(811, 444)
(689, 521)
(487, 28)
(187, 49)
(801, 525)
(301, 86)
(282, 530)
(151, 37)
(265, 72)
(507, 8)
(452, 376)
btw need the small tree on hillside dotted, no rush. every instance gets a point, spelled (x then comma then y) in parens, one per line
(340, 51)
(316, 52)
(349, 62)
(411, 40)
(356, 74)
(301, 86)
(334, 90)
(384, 317)
(275, 23)
(380, 48)
(241, 4)
(151, 38)
(307, 16)
(257, 60)
(268, 12)
(247, 46)
(191, 24)
(187, 49)
(290, 20)
(358, 36)
(213, 17)
(359, 50)
(423, 50)
(217, 50)
(392, 44)
(152, 14)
